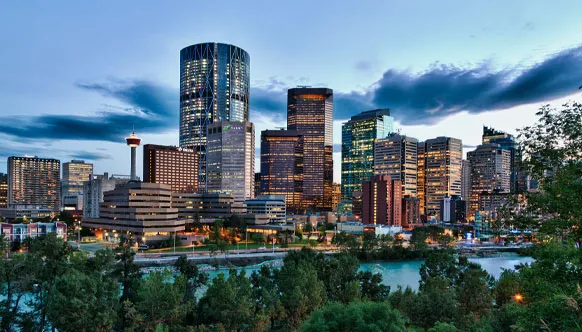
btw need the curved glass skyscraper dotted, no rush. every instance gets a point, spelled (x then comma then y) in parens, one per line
(214, 86)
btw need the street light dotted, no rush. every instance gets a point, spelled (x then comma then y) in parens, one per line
(518, 297)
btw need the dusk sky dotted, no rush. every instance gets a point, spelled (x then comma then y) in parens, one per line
(75, 76)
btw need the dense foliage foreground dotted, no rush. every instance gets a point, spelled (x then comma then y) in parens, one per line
(54, 286)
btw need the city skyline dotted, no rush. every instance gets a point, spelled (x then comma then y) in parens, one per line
(133, 76)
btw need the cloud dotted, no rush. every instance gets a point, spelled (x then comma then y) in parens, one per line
(427, 97)
(90, 156)
(422, 98)
(151, 108)
(444, 90)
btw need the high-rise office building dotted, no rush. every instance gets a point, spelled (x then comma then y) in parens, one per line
(507, 142)
(171, 165)
(490, 172)
(282, 166)
(3, 191)
(465, 180)
(230, 159)
(443, 159)
(421, 176)
(310, 112)
(93, 190)
(34, 181)
(382, 201)
(75, 173)
(410, 212)
(466, 184)
(257, 184)
(214, 86)
(396, 156)
(358, 136)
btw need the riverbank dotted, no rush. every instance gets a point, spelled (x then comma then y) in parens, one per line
(239, 260)
(244, 259)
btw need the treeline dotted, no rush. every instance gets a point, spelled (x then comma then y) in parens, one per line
(370, 247)
(53, 286)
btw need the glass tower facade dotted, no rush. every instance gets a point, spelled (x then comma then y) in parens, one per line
(443, 159)
(214, 86)
(490, 172)
(507, 142)
(282, 166)
(34, 181)
(397, 156)
(75, 173)
(231, 159)
(310, 112)
(358, 136)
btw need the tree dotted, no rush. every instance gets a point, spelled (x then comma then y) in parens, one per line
(552, 148)
(357, 316)
(48, 257)
(418, 238)
(269, 311)
(301, 289)
(228, 302)
(371, 286)
(473, 292)
(194, 278)
(83, 302)
(158, 299)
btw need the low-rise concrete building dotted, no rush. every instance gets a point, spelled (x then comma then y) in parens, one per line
(271, 205)
(25, 211)
(206, 206)
(142, 209)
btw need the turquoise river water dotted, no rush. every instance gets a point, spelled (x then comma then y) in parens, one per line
(406, 273)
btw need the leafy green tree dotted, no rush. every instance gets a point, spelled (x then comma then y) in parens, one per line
(158, 299)
(357, 316)
(371, 286)
(269, 311)
(473, 292)
(552, 148)
(228, 302)
(194, 277)
(17, 281)
(49, 257)
(83, 302)
(301, 289)
(443, 265)
(436, 302)
(418, 238)
(507, 287)
(128, 274)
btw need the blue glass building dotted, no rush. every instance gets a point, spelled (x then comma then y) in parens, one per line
(358, 136)
(214, 86)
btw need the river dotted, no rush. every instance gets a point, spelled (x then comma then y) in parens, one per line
(406, 273)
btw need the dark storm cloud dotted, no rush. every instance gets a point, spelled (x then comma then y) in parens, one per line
(152, 109)
(443, 90)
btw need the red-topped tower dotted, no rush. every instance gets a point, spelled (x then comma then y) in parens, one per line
(133, 142)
